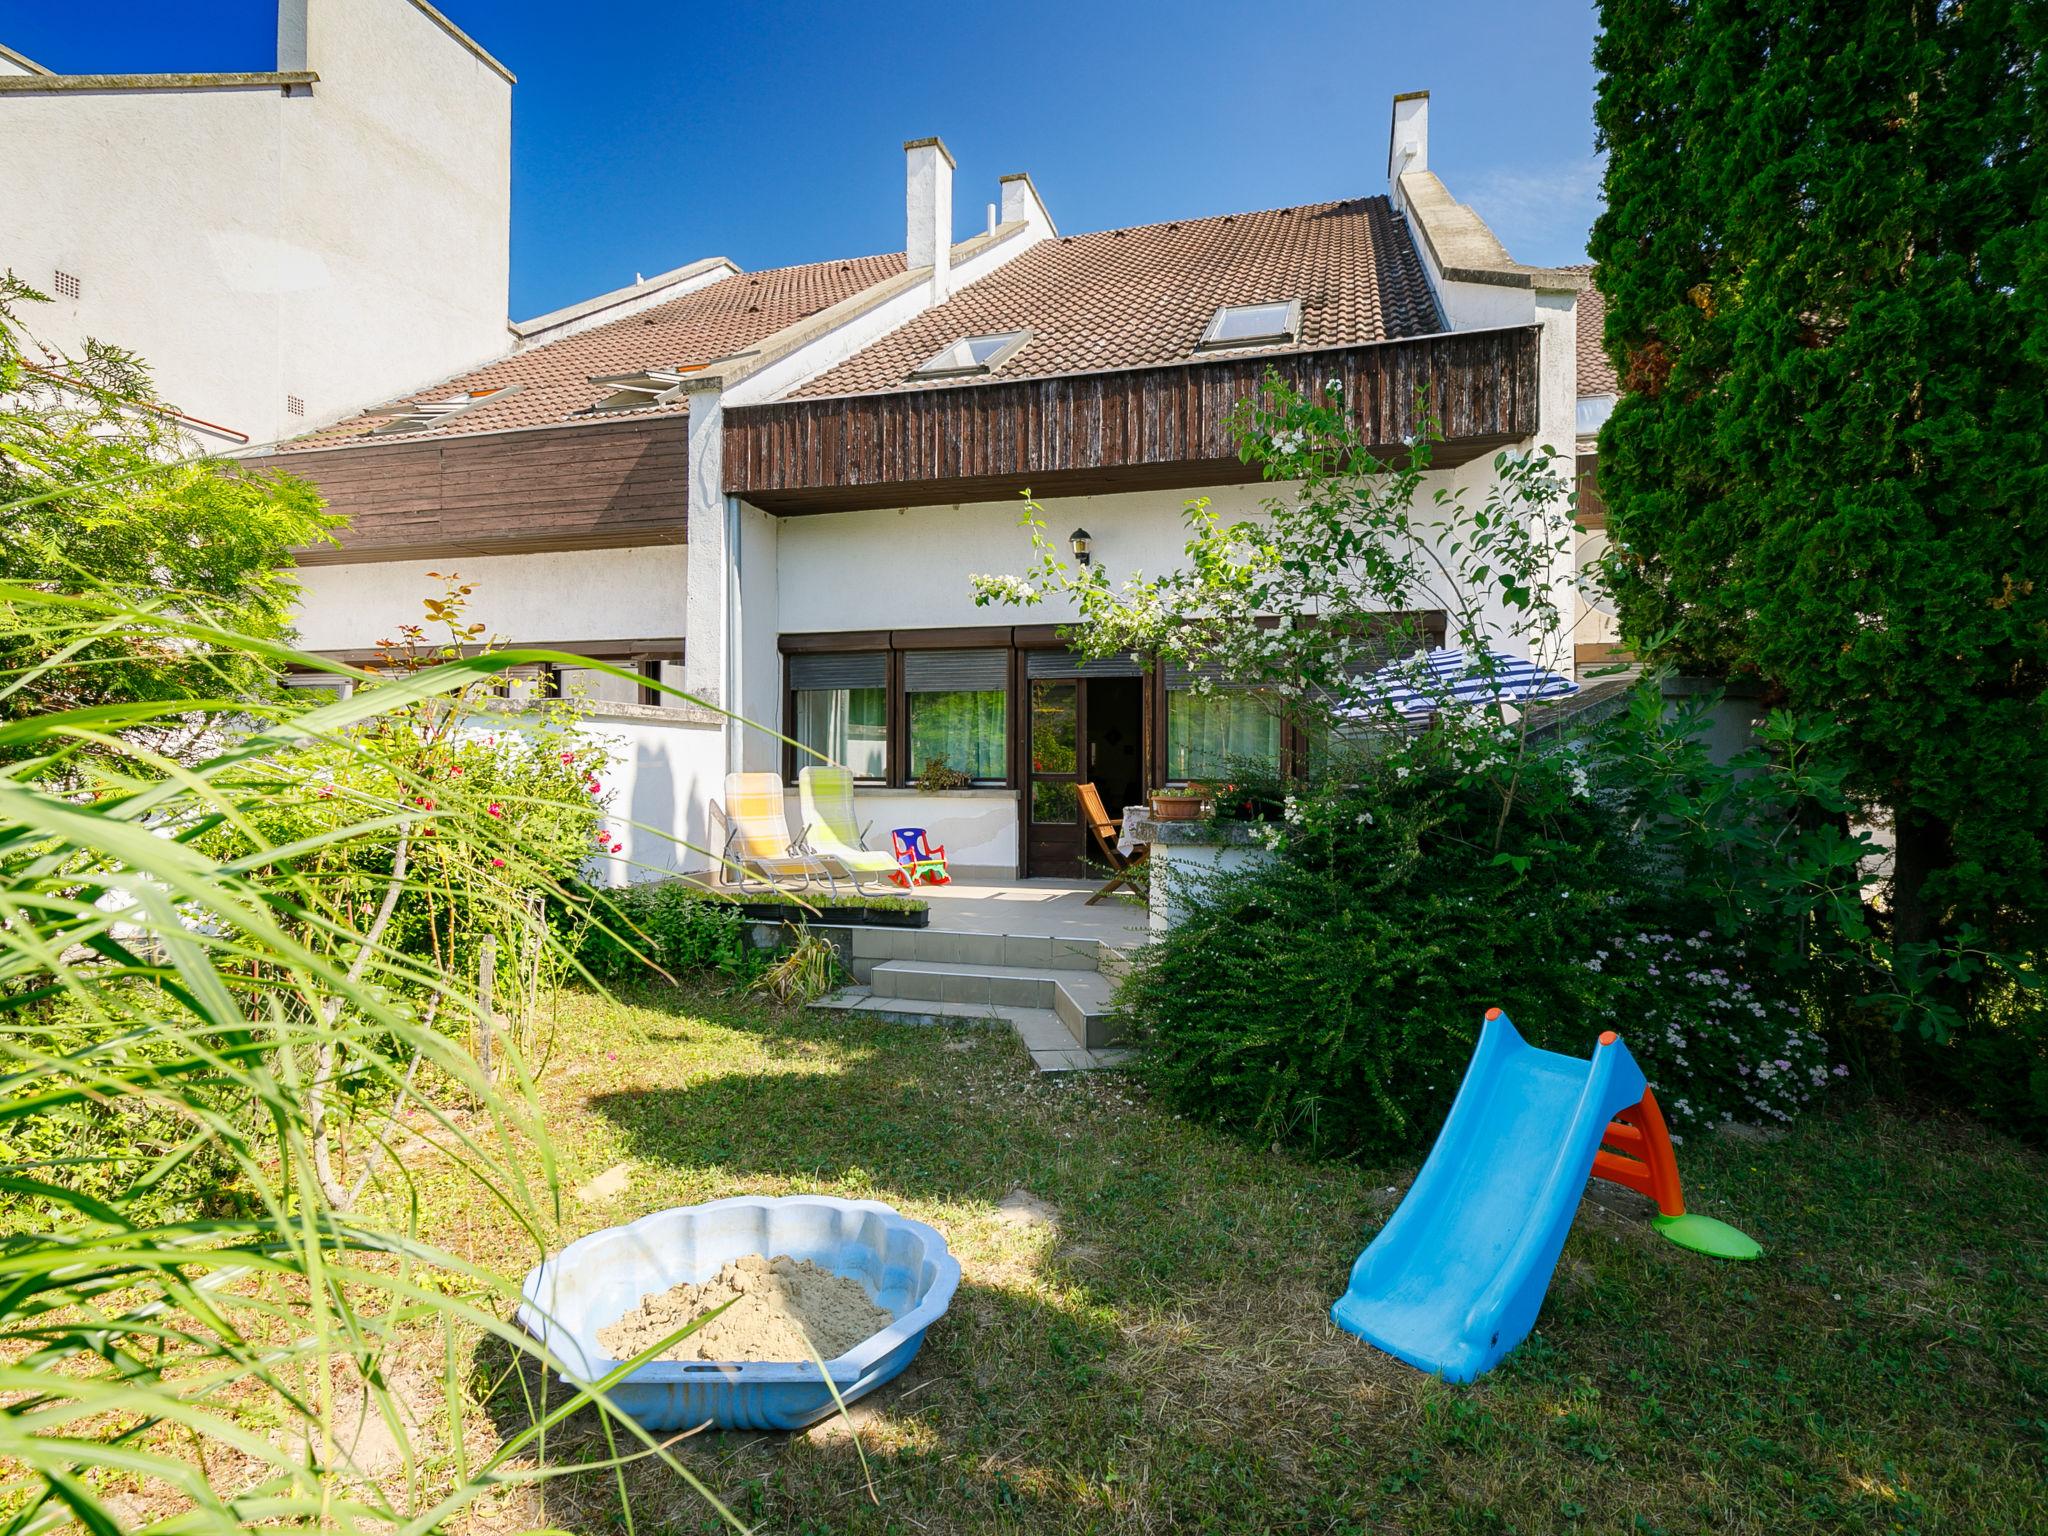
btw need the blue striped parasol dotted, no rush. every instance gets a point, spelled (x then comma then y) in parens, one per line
(1417, 686)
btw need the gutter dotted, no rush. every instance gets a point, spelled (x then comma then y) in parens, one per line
(49, 84)
(164, 411)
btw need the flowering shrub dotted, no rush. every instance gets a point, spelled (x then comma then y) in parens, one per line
(1716, 1047)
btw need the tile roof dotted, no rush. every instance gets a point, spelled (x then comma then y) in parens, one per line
(554, 378)
(1134, 297)
(1596, 368)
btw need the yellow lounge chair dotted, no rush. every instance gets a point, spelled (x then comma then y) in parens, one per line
(832, 830)
(757, 840)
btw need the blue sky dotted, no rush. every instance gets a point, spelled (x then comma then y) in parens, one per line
(647, 136)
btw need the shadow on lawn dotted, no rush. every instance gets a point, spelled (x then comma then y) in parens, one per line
(1157, 1202)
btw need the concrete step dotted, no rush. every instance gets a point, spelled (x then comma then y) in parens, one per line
(943, 946)
(1044, 1034)
(1080, 999)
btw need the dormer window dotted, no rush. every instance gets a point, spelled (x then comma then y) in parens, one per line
(972, 355)
(1253, 325)
(418, 415)
(657, 386)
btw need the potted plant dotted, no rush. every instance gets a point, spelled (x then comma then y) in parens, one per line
(1188, 803)
(938, 775)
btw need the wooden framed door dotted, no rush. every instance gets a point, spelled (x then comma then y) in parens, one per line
(1056, 730)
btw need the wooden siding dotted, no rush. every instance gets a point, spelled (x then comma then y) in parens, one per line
(1089, 433)
(587, 486)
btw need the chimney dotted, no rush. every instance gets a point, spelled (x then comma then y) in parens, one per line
(1407, 139)
(294, 49)
(928, 212)
(1021, 202)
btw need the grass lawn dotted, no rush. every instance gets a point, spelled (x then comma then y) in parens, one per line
(1155, 1356)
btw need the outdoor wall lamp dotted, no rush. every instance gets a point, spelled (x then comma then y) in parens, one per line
(1079, 542)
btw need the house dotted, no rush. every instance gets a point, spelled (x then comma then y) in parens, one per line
(776, 485)
(282, 247)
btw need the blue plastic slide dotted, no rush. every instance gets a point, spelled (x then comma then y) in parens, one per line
(1455, 1278)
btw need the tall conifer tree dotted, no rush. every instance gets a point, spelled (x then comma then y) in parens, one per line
(1825, 255)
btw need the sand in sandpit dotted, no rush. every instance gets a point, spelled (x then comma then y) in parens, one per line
(779, 1302)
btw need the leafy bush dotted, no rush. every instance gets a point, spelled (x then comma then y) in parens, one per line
(1762, 850)
(1332, 996)
(676, 926)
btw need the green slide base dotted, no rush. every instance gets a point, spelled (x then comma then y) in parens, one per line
(1703, 1234)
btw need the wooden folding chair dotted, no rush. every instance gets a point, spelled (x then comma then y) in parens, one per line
(1105, 832)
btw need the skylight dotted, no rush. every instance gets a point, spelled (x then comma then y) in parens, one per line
(972, 354)
(1253, 325)
(417, 415)
(657, 386)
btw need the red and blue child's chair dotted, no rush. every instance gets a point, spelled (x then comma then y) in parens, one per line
(918, 862)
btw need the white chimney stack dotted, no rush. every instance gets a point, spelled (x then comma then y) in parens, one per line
(928, 212)
(1021, 202)
(1407, 139)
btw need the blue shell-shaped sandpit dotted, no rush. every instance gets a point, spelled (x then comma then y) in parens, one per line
(903, 1265)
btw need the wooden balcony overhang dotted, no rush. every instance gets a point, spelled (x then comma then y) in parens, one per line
(586, 485)
(1133, 429)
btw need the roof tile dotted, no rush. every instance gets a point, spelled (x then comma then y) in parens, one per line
(1596, 368)
(1128, 298)
(554, 378)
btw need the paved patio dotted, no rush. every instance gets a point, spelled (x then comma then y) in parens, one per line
(1037, 909)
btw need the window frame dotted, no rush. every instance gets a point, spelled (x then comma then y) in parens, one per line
(1212, 342)
(893, 713)
(1012, 343)
(421, 415)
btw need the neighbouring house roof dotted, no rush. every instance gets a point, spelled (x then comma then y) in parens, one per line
(1129, 298)
(1596, 368)
(550, 384)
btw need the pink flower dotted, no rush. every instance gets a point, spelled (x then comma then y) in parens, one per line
(568, 757)
(492, 809)
(455, 772)
(593, 786)
(497, 863)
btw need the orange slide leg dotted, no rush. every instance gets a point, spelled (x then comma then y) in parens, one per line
(1636, 1153)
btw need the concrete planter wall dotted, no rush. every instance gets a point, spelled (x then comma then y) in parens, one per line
(1186, 853)
(1732, 720)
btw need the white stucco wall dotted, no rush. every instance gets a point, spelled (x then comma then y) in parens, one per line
(662, 778)
(758, 590)
(341, 242)
(976, 827)
(908, 568)
(569, 595)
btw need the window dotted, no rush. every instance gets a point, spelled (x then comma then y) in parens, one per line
(657, 386)
(1209, 733)
(841, 710)
(959, 712)
(417, 415)
(595, 687)
(1253, 325)
(326, 684)
(671, 673)
(972, 354)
